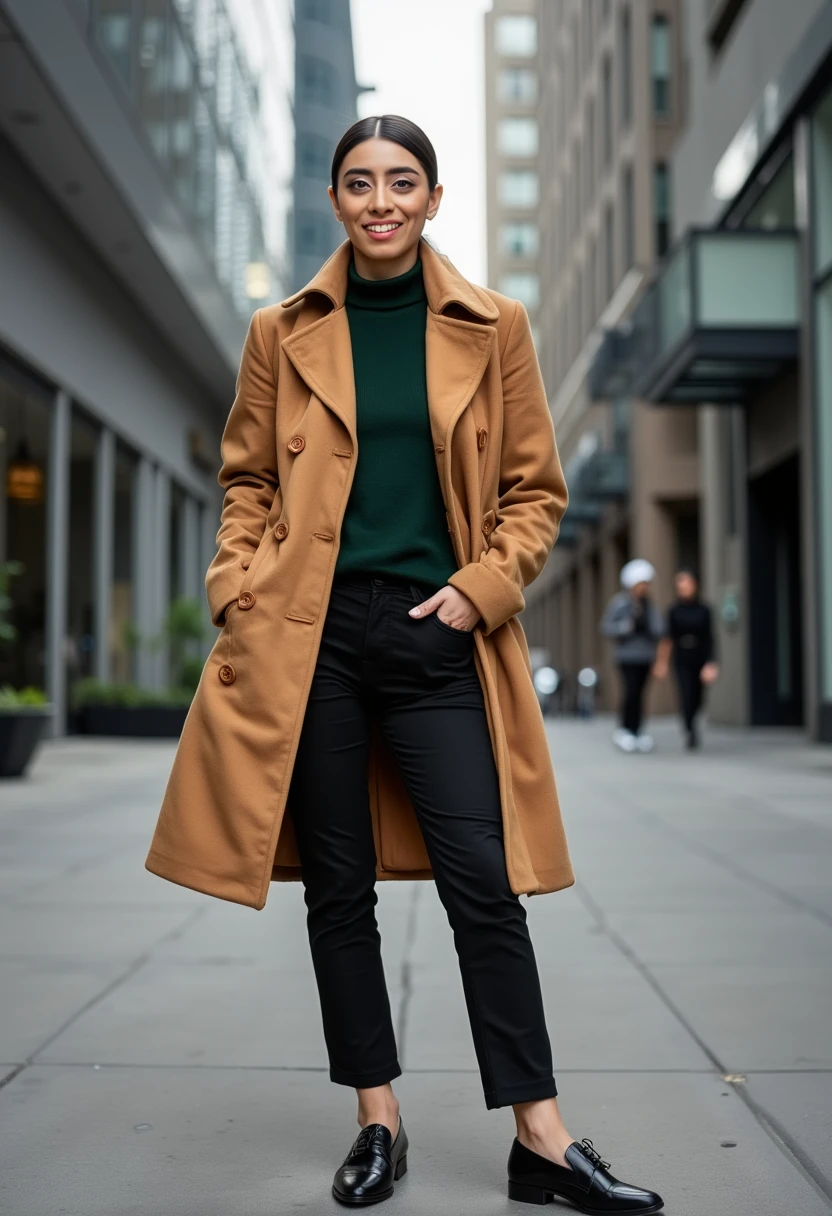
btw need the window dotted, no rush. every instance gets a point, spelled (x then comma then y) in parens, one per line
(517, 137)
(775, 207)
(153, 73)
(606, 99)
(519, 188)
(314, 156)
(523, 287)
(112, 22)
(589, 136)
(316, 10)
(661, 208)
(822, 181)
(517, 85)
(626, 60)
(628, 218)
(516, 35)
(317, 79)
(314, 234)
(520, 240)
(609, 253)
(660, 65)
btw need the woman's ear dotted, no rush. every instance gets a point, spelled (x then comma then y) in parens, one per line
(333, 198)
(435, 200)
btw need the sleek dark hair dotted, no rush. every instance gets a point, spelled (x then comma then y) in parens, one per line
(395, 128)
(689, 571)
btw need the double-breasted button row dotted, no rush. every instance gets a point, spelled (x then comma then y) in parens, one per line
(281, 529)
(246, 600)
(227, 674)
(482, 438)
(296, 444)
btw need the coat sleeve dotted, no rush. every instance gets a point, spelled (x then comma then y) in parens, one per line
(617, 621)
(248, 473)
(532, 490)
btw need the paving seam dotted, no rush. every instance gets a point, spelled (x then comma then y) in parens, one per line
(127, 974)
(777, 1134)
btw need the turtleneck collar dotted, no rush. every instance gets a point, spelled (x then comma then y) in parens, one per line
(400, 292)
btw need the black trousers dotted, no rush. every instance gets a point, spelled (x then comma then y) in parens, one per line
(418, 678)
(634, 677)
(689, 680)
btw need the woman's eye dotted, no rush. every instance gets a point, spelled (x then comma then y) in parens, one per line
(403, 181)
(357, 182)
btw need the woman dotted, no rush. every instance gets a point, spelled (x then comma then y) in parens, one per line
(368, 711)
(690, 637)
(635, 624)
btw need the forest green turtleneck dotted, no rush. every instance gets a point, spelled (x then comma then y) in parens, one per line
(395, 518)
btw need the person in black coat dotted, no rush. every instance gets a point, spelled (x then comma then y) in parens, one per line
(690, 639)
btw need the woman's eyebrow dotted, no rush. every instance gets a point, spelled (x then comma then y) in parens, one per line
(388, 172)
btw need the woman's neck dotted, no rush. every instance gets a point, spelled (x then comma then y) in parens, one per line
(385, 268)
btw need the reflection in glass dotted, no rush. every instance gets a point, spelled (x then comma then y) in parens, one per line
(181, 119)
(80, 625)
(25, 423)
(121, 652)
(112, 29)
(153, 72)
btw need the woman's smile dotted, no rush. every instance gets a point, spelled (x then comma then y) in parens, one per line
(382, 232)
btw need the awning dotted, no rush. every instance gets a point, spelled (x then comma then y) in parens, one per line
(720, 320)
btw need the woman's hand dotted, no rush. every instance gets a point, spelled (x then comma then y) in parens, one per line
(709, 673)
(457, 609)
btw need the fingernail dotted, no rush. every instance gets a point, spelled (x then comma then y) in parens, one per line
(414, 611)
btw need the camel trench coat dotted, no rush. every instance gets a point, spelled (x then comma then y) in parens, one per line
(289, 453)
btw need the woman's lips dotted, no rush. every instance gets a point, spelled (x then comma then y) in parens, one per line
(382, 236)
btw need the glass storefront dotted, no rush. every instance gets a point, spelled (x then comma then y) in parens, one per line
(25, 423)
(122, 667)
(79, 648)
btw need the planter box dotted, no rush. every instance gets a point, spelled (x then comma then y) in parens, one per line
(21, 730)
(138, 722)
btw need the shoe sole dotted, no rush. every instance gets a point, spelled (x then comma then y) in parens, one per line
(539, 1195)
(400, 1171)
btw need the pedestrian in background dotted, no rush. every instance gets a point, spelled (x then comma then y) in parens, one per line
(636, 626)
(392, 484)
(690, 642)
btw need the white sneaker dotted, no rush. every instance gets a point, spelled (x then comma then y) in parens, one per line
(624, 740)
(644, 743)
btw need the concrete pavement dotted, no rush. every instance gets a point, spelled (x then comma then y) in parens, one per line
(161, 1052)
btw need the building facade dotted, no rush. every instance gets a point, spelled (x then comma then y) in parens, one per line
(146, 160)
(512, 82)
(325, 106)
(738, 325)
(609, 108)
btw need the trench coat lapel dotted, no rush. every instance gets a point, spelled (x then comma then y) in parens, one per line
(456, 351)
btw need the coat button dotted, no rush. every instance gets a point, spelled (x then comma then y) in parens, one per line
(246, 600)
(281, 530)
(227, 674)
(297, 443)
(482, 438)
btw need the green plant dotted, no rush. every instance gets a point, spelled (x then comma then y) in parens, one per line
(14, 698)
(183, 626)
(90, 691)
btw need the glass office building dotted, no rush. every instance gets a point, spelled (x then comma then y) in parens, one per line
(146, 151)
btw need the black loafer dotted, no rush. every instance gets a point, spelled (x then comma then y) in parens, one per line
(371, 1166)
(536, 1179)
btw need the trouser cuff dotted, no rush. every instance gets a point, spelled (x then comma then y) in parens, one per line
(365, 1080)
(534, 1091)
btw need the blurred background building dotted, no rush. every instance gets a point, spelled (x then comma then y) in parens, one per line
(324, 107)
(684, 325)
(146, 169)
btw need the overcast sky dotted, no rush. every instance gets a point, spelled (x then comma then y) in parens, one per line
(425, 58)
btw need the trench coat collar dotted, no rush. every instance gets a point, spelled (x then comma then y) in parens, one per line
(457, 350)
(444, 285)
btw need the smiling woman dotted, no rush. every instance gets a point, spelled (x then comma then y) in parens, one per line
(392, 485)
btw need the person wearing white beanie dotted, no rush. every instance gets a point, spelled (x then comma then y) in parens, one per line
(635, 624)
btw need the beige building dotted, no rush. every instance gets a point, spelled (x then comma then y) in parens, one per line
(512, 147)
(609, 110)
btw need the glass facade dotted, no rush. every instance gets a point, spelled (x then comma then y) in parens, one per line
(79, 649)
(523, 286)
(219, 126)
(821, 176)
(516, 35)
(520, 240)
(517, 136)
(519, 188)
(660, 65)
(517, 85)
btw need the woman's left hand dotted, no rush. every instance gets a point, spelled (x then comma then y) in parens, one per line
(457, 609)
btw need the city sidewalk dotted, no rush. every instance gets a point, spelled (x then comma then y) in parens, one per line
(162, 1052)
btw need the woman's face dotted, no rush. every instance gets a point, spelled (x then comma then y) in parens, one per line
(383, 200)
(685, 586)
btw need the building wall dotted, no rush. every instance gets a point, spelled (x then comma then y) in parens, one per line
(603, 136)
(325, 106)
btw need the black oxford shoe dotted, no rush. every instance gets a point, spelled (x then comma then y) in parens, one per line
(371, 1166)
(536, 1179)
